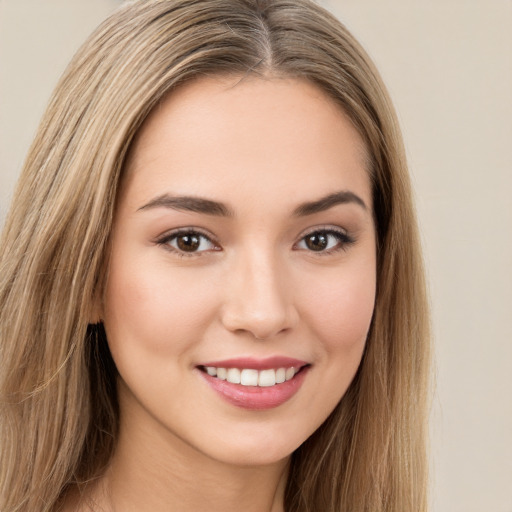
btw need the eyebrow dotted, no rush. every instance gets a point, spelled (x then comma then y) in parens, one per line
(190, 204)
(216, 208)
(324, 203)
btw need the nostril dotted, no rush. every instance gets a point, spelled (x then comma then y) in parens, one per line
(260, 325)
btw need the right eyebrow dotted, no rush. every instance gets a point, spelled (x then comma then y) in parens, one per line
(190, 204)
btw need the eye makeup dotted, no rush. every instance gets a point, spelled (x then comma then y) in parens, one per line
(192, 241)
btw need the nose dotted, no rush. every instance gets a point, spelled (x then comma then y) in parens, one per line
(259, 298)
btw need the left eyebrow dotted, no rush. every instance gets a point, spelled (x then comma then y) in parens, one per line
(324, 203)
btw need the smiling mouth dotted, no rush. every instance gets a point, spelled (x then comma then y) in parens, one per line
(251, 377)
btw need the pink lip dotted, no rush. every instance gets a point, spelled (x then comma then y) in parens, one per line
(258, 364)
(256, 397)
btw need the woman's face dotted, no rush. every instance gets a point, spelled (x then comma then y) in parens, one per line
(243, 248)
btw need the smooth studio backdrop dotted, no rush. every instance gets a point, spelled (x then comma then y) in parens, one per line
(448, 66)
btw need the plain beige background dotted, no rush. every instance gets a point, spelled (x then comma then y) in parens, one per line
(448, 65)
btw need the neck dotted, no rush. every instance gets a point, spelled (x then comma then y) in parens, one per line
(148, 473)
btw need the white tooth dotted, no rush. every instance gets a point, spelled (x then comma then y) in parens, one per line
(280, 375)
(211, 370)
(249, 377)
(290, 372)
(221, 373)
(233, 375)
(267, 378)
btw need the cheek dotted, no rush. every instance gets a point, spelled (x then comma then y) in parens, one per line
(349, 313)
(158, 310)
(341, 309)
(338, 315)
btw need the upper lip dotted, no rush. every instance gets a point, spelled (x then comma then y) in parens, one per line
(257, 364)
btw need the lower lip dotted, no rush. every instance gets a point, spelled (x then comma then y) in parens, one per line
(256, 397)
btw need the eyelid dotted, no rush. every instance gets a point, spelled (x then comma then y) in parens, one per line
(164, 239)
(323, 227)
(345, 239)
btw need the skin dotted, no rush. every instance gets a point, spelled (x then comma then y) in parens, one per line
(254, 288)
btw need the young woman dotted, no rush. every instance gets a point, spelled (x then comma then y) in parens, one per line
(211, 286)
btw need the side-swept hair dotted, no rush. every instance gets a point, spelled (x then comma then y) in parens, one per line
(58, 404)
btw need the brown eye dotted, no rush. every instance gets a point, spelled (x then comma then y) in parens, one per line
(317, 241)
(325, 241)
(188, 243)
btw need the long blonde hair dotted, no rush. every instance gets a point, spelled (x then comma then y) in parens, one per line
(58, 405)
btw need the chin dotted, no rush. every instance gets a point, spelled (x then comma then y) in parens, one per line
(259, 447)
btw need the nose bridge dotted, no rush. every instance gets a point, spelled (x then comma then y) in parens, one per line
(258, 299)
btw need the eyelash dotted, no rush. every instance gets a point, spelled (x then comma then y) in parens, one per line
(343, 241)
(169, 237)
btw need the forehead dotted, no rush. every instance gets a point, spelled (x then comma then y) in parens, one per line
(257, 133)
